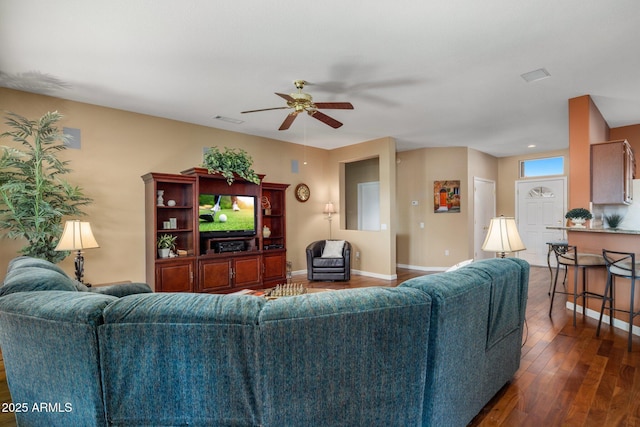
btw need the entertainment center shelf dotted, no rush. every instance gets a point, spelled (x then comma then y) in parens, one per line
(225, 238)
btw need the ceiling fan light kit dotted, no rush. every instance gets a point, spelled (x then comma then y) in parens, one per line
(303, 102)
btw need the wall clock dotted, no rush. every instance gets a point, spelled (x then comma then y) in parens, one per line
(302, 192)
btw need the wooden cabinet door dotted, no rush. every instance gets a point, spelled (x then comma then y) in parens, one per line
(610, 171)
(247, 271)
(275, 267)
(214, 275)
(174, 276)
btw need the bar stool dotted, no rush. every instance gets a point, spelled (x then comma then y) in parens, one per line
(550, 245)
(620, 264)
(568, 256)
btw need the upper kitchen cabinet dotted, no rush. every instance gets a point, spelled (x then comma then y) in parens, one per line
(612, 173)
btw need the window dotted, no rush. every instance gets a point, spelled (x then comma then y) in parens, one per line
(542, 167)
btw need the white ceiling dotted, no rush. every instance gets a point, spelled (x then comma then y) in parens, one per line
(429, 73)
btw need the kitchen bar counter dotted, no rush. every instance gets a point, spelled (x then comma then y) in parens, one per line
(594, 240)
(597, 230)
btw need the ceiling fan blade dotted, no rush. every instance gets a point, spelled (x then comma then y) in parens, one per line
(264, 109)
(286, 97)
(334, 105)
(288, 121)
(325, 119)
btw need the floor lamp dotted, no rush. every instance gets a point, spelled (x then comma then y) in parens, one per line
(77, 235)
(503, 237)
(329, 209)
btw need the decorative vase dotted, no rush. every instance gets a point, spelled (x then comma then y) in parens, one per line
(266, 232)
(160, 199)
(578, 222)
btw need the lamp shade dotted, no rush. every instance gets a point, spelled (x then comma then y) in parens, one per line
(503, 236)
(77, 235)
(329, 208)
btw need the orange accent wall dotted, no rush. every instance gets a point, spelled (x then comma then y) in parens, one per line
(586, 127)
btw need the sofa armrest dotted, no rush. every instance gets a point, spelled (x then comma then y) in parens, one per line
(122, 289)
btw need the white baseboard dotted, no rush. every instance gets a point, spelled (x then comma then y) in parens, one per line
(617, 323)
(385, 276)
(358, 273)
(421, 268)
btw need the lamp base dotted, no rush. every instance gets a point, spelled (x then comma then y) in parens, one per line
(79, 264)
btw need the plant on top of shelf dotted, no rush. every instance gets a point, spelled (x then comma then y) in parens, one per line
(166, 241)
(33, 195)
(229, 163)
(578, 213)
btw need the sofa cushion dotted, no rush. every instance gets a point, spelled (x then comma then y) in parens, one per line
(50, 349)
(26, 279)
(200, 352)
(333, 249)
(355, 357)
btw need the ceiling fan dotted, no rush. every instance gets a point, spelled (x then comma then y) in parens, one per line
(301, 102)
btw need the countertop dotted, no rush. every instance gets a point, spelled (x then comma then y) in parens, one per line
(597, 230)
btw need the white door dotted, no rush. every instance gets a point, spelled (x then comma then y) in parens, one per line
(369, 206)
(484, 208)
(540, 204)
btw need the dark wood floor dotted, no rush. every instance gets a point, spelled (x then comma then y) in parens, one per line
(567, 377)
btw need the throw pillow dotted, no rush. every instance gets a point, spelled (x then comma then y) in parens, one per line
(460, 264)
(333, 249)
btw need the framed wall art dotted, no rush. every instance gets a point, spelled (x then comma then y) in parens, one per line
(446, 196)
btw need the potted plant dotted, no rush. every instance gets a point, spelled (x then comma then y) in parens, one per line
(230, 163)
(613, 220)
(578, 216)
(33, 196)
(166, 242)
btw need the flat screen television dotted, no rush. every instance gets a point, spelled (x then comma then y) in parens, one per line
(227, 215)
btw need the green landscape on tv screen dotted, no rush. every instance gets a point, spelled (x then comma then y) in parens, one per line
(226, 213)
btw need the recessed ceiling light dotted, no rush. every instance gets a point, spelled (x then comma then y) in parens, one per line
(535, 75)
(229, 119)
(531, 146)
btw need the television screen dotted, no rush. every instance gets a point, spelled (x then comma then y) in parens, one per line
(227, 215)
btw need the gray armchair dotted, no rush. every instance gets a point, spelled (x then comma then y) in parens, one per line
(328, 268)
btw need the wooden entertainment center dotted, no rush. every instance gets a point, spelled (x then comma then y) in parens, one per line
(212, 264)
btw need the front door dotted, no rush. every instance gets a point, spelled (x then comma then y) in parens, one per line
(540, 204)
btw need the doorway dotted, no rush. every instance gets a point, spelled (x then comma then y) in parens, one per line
(540, 204)
(484, 208)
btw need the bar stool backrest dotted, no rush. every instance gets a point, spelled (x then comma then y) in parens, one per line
(620, 263)
(565, 254)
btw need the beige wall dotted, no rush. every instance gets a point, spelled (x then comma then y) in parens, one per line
(425, 247)
(118, 147)
(377, 248)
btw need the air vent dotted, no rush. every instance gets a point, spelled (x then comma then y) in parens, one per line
(535, 75)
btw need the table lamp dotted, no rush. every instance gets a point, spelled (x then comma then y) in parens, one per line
(503, 236)
(77, 235)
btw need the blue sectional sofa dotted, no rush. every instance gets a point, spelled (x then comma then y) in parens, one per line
(430, 352)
